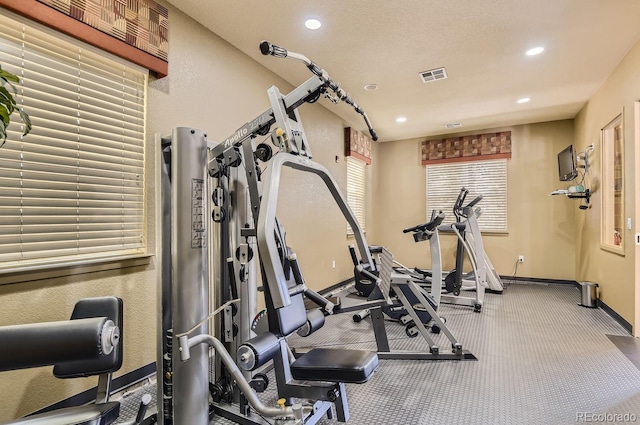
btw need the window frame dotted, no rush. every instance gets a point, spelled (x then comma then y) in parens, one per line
(612, 164)
(357, 200)
(10, 269)
(492, 198)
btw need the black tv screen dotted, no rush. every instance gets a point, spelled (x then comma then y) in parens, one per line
(567, 164)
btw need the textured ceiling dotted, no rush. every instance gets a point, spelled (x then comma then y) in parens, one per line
(481, 44)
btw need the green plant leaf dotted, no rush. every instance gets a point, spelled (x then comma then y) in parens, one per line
(6, 79)
(8, 105)
(7, 99)
(9, 77)
(7, 109)
(26, 120)
(3, 133)
(4, 116)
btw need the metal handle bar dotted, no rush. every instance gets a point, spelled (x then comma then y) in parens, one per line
(430, 226)
(461, 197)
(475, 201)
(279, 52)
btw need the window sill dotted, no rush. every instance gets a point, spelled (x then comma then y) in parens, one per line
(49, 271)
(619, 250)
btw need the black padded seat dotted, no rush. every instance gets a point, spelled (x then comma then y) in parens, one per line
(335, 365)
(92, 414)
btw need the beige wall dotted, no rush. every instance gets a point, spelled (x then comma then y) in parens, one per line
(540, 226)
(316, 229)
(614, 273)
(213, 86)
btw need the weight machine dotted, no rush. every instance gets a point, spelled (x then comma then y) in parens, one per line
(245, 229)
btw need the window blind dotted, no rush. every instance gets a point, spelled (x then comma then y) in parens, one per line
(487, 178)
(72, 189)
(356, 188)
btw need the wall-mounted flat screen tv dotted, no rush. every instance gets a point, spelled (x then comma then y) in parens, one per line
(567, 164)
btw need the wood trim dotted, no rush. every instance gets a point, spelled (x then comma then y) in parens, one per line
(359, 139)
(45, 15)
(467, 158)
(360, 157)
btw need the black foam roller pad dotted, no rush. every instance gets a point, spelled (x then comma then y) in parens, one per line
(42, 344)
(315, 320)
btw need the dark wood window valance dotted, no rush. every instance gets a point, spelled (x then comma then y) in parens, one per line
(357, 145)
(136, 30)
(467, 148)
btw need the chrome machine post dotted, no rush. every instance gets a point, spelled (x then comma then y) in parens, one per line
(183, 293)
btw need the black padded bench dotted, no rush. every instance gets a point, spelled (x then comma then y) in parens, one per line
(335, 365)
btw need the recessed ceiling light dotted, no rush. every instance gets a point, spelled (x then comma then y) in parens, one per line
(524, 100)
(312, 24)
(535, 51)
(371, 87)
(401, 119)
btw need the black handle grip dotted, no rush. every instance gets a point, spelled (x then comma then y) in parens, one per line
(412, 229)
(267, 48)
(475, 201)
(435, 221)
(374, 135)
(142, 409)
(354, 257)
(317, 299)
(461, 196)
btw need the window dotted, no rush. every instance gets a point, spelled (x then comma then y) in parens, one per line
(71, 191)
(612, 237)
(487, 178)
(356, 175)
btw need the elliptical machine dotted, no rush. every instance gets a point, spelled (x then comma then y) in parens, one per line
(470, 239)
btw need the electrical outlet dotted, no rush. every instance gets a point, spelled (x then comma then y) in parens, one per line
(334, 264)
(520, 258)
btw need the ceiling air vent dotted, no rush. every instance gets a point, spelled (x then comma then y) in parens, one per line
(453, 125)
(433, 75)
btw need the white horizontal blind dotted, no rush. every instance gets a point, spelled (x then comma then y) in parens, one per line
(72, 189)
(356, 189)
(487, 178)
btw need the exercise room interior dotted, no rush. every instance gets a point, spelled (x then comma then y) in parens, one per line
(521, 83)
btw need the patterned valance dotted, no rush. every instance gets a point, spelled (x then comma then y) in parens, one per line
(467, 148)
(136, 30)
(357, 145)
